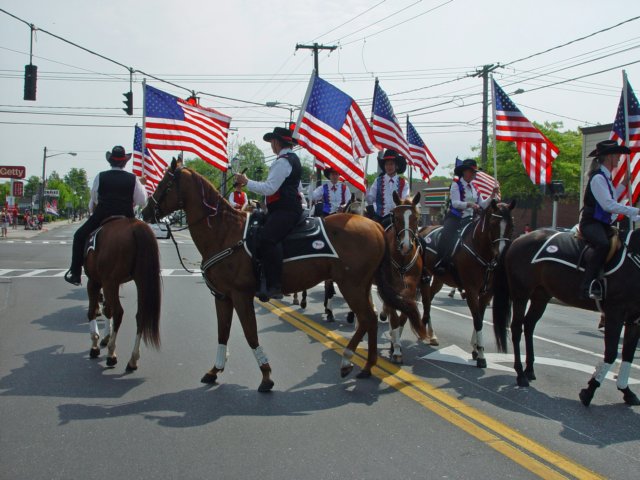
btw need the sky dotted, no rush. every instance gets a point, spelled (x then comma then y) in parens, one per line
(246, 50)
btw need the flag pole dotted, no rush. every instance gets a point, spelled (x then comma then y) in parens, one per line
(144, 124)
(410, 166)
(625, 85)
(493, 110)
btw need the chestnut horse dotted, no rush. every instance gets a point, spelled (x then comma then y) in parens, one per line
(126, 249)
(217, 231)
(481, 246)
(521, 281)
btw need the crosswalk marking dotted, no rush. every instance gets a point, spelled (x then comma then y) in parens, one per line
(59, 272)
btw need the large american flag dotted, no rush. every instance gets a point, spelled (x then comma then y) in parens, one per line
(483, 182)
(385, 126)
(175, 124)
(422, 157)
(151, 165)
(536, 150)
(618, 134)
(333, 128)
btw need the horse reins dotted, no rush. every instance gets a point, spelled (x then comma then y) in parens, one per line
(403, 269)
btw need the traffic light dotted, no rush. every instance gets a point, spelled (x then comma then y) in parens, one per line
(128, 102)
(30, 79)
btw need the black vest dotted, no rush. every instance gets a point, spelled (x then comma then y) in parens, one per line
(286, 197)
(591, 210)
(115, 193)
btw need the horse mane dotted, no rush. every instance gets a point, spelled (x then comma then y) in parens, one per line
(211, 197)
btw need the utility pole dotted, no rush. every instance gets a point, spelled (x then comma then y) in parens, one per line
(484, 73)
(315, 47)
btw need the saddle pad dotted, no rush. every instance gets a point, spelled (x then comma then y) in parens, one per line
(307, 240)
(92, 241)
(432, 239)
(566, 248)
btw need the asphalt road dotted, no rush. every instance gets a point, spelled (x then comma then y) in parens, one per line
(66, 416)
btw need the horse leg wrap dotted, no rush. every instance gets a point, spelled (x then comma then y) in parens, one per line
(395, 334)
(221, 357)
(623, 375)
(601, 372)
(346, 358)
(93, 327)
(480, 344)
(261, 358)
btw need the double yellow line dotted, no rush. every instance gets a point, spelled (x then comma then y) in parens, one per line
(526, 452)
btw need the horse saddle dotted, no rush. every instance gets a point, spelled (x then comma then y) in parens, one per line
(308, 238)
(568, 249)
(432, 239)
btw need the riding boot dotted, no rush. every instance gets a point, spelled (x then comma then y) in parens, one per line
(591, 287)
(443, 264)
(272, 266)
(74, 274)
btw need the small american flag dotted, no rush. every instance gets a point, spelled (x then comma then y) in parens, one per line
(618, 134)
(536, 150)
(422, 157)
(175, 124)
(151, 166)
(483, 182)
(385, 126)
(333, 128)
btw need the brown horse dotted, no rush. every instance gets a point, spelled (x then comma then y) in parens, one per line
(522, 281)
(217, 231)
(481, 246)
(126, 249)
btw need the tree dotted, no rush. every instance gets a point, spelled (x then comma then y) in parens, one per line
(76, 181)
(32, 187)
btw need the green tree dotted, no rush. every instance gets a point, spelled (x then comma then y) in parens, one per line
(76, 181)
(32, 187)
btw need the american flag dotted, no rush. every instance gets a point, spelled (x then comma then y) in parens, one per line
(483, 182)
(618, 134)
(536, 150)
(175, 124)
(151, 166)
(422, 157)
(385, 126)
(333, 128)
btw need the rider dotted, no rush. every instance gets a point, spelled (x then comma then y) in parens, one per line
(114, 192)
(465, 201)
(380, 195)
(237, 198)
(599, 210)
(284, 206)
(331, 197)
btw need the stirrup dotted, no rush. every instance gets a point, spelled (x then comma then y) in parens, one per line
(595, 290)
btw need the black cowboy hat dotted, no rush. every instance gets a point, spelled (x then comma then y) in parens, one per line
(608, 146)
(401, 162)
(282, 134)
(327, 172)
(468, 164)
(238, 183)
(118, 155)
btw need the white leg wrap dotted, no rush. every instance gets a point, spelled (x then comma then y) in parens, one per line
(93, 327)
(395, 338)
(346, 358)
(261, 358)
(474, 340)
(601, 372)
(221, 357)
(479, 339)
(623, 375)
(108, 324)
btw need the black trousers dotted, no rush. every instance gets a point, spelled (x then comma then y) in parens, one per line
(81, 236)
(450, 226)
(597, 235)
(277, 225)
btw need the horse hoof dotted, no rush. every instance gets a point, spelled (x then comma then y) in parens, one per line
(629, 397)
(474, 355)
(364, 374)
(209, 378)
(397, 359)
(130, 368)
(330, 317)
(530, 375)
(481, 363)
(522, 381)
(266, 386)
(434, 342)
(112, 361)
(344, 371)
(296, 302)
(94, 352)
(303, 304)
(350, 317)
(383, 317)
(586, 395)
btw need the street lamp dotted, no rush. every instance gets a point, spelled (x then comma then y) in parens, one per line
(286, 106)
(44, 167)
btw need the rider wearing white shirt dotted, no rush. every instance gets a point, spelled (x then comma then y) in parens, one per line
(332, 197)
(380, 194)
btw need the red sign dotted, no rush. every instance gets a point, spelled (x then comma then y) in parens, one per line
(12, 172)
(18, 189)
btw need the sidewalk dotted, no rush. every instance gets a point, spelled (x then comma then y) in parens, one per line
(21, 234)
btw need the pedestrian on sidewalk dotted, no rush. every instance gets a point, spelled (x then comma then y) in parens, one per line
(4, 222)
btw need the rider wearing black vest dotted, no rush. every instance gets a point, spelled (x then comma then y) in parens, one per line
(114, 192)
(599, 211)
(284, 206)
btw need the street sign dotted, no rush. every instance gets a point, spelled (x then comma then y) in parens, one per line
(12, 172)
(18, 189)
(51, 193)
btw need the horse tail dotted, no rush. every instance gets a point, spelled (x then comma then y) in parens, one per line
(501, 305)
(146, 274)
(392, 298)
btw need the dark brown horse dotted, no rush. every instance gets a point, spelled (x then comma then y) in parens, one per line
(217, 231)
(478, 254)
(126, 249)
(521, 281)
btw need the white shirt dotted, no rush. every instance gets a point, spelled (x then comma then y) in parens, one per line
(600, 185)
(471, 195)
(335, 195)
(233, 202)
(279, 170)
(139, 194)
(387, 201)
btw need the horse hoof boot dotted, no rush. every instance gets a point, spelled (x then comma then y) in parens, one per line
(94, 352)
(344, 371)
(364, 374)
(266, 386)
(130, 368)
(522, 381)
(586, 395)
(112, 361)
(629, 397)
(209, 378)
(481, 363)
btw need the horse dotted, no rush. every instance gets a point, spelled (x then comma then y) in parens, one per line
(125, 249)
(482, 244)
(217, 231)
(521, 281)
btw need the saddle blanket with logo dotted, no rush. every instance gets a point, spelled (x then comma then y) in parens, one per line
(92, 241)
(307, 240)
(567, 249)
(432, 239)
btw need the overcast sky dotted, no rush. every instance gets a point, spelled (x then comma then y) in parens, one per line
(246, 50)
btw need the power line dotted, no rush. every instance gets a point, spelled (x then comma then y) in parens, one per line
(348, 21)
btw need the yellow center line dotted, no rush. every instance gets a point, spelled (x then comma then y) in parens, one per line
(526, 452)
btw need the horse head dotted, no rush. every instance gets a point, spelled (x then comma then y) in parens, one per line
(496, 222)
(166, 199)
(405, 216)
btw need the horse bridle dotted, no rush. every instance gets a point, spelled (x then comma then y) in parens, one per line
(175, 178)
(403, 269)
(491, 264)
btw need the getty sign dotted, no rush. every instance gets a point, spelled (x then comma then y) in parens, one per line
(12, 172)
